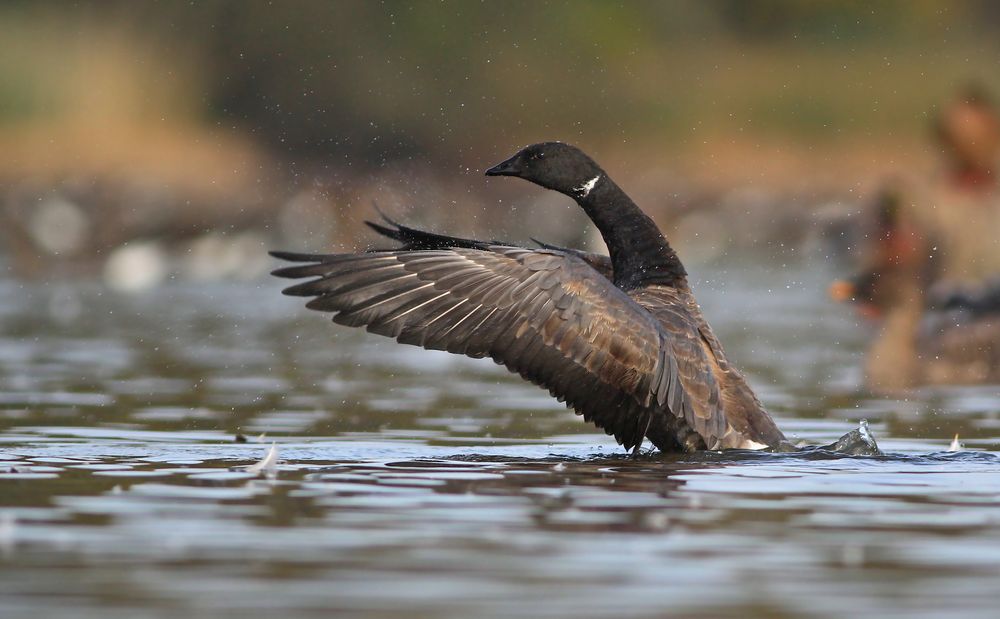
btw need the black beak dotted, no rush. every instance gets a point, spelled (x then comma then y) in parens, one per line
(511, 167)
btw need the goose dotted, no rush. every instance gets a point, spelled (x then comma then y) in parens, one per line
(921, 340)
(619, 338)
(928, 333)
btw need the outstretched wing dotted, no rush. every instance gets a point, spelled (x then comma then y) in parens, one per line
(544, 314)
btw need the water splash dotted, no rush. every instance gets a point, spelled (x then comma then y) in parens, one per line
(268, 467)
(859, 442)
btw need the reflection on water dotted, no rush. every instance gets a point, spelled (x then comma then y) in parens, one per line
(417, 484)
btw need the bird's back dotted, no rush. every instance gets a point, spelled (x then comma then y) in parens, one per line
(717, 390)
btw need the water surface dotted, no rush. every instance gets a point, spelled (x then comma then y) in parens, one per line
(418, 484)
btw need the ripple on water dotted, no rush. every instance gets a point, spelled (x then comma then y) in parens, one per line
(417, 485)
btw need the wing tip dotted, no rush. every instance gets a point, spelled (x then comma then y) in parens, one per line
(292, 256)
(392, 233)
(305, 289)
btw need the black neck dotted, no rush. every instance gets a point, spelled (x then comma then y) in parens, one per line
(640, 256)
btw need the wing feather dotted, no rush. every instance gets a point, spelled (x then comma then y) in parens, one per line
(544, 314)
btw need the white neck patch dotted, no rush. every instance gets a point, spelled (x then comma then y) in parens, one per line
(587, 187)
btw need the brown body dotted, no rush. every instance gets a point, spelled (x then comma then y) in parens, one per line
(718, 388)
(916, 347)
(619, 338)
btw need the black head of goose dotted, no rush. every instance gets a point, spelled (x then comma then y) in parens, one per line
(639, 253)
(630, 352)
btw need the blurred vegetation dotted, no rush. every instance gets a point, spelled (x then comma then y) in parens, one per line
(377, 81)
(244, 104)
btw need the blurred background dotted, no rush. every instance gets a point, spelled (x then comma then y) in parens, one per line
(142, 141)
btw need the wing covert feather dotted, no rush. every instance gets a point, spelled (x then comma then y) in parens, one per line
(544, 314)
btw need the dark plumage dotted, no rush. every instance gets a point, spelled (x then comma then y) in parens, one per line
(619, 338)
